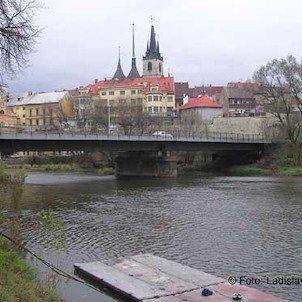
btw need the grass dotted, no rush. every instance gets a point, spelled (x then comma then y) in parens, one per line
(48, 167)
(17, 279)
(106, 171)
(289, 171)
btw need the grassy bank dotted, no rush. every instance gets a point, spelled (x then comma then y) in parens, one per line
(17, 279)
(279, 161)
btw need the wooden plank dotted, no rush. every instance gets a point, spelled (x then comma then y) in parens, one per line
(154, 277)
(192, 275)
(120, 282)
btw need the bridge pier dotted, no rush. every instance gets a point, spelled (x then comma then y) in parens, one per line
(142, 163)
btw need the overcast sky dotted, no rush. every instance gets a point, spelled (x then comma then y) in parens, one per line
(202, 41)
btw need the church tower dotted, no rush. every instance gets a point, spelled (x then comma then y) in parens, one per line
(152, 61)
(133, 72)
(119, 75)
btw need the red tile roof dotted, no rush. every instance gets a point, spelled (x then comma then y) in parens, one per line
(165, 84)
(200, 102)
(205, 90)
(243, 85)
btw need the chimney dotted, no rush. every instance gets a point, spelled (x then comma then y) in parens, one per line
(95, 81)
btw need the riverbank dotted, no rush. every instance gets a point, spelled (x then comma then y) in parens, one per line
(73, 167)
(280, 160)
(254, 170)
(18, 281)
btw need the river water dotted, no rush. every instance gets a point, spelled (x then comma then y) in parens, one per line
(227, 226)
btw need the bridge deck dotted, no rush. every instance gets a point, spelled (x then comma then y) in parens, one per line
(150, 278)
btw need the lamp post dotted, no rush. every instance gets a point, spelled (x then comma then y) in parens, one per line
(108, 105)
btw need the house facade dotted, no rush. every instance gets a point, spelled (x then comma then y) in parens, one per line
(42, 110)
(203, 108)
(153, 95)
(9, 121)
(238, 99)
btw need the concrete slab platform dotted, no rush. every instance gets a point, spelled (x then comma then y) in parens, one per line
(148, 278)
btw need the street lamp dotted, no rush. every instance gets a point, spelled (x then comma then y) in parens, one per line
(108, 105)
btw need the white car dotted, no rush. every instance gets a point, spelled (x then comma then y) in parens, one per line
(162, 134)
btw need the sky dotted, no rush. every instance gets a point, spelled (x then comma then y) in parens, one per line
(202, 42)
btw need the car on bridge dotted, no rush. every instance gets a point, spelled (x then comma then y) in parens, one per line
(162, 134)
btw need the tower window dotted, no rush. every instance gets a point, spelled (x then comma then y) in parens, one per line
(149, 66)
(159, 68)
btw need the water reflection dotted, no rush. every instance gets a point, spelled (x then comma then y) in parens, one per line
(223, 225)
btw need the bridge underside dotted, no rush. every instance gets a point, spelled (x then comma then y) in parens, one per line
(13, 146)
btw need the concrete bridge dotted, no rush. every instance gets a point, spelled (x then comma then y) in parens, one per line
(136, 151)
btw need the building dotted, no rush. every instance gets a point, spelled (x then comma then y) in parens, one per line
(152, 60)
(9, 121)
(203, 108)
(238, 99)
(211, 91)
(42, 110)
(153, 95)
(181, 92)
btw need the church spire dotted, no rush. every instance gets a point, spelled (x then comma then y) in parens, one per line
(153, 47)
(133, 72)
(119, 74)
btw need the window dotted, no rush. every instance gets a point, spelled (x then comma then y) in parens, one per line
(139, 91)
(160, 109)
(111, 102)
(37, 111)
(149, 98)
(44, 111)
(122, 92)
(170, 98)
(155, 98)
(111, 92)
(23, 115)
(160, 98)
(104, 93)
(159, 66)
(150, 109)
(133, 92)
(30, 112)
(149, 66)
(37, 122)
(133, 102)
(155, 109)
(122, 102)
(30, 122)
(154, 88)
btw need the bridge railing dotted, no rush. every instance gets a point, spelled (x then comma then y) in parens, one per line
(173, 135)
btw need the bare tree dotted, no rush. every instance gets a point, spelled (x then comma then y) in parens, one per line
(100, 118)
(281, 87)
(143, 122)
(125, 119)
(18, 34)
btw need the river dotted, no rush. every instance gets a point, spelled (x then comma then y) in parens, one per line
(227, 226)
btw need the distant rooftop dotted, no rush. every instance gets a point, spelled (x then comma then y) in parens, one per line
(27, 98)
(200, 102)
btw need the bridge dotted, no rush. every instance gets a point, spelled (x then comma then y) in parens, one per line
(136, 150)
